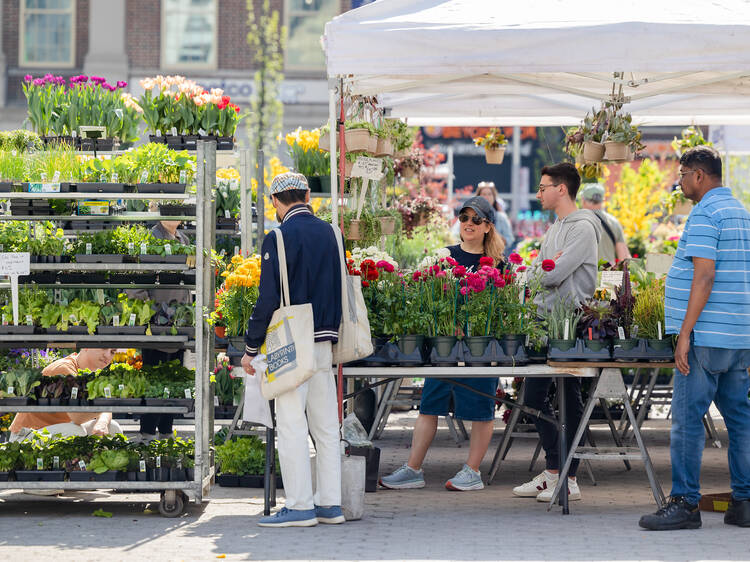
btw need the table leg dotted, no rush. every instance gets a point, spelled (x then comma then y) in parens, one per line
(563, 442)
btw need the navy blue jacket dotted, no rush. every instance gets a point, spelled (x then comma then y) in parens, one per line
(314, 270)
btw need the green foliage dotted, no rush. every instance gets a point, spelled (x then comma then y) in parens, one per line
(244, 455)
(648, 310)
(23, 380)
(563, 312)
(19, 140)
(106, 460)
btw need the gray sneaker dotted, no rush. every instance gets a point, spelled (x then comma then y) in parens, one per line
(466, 479)
(403, 478)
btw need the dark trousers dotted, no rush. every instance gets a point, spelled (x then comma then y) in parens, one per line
(149, 422)
(536, 396)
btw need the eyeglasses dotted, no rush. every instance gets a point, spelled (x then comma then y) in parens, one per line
(683, 174)
(543, 187)
(477, 220)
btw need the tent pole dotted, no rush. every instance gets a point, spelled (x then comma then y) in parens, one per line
(515, 173)
(333, 132)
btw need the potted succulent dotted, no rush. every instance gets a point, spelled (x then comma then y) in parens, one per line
(621, 139)
(494, 143)
(388, 219)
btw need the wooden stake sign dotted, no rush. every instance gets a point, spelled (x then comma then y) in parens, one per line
(14, 264)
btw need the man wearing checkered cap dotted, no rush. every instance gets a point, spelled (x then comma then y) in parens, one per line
(314, 271)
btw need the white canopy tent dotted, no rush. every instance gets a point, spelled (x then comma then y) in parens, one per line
(544, 62)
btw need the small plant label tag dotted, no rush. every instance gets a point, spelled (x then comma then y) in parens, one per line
(158, 132)
(227, 214)
(114, 177)
(88, 248)
(5, 320)
(82, 465)
(144, 248)
(39, 463)
(72, 319)
(14, 152)
(131, 247)
(116, 320)
(74, 392)
(659, 327)
(158, 461)
(173, 131)
(621, 332)
(166, 392)
(56, 462)
(43, 177)
(183, 176)
(11, 389)
(142, 466)
(216, 401)
(188, 394)
(634, 331)
(131, 320)
(527, 340)
(107, 392)
(567, 330)
(56, 176)
(29, 320)
(236, 250)
(121, 387)
(168, 249)
(144, 176)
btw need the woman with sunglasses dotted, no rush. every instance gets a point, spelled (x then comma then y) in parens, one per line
(478, 239)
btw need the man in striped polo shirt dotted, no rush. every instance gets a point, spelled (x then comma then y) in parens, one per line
(708, 305)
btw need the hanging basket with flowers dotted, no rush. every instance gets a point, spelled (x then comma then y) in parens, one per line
(494, 146)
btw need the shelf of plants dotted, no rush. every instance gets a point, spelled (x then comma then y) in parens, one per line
(96, 316)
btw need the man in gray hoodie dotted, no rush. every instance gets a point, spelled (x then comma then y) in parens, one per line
(572, 243)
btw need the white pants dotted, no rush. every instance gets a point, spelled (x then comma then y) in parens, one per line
(317, 398)
(69, 429)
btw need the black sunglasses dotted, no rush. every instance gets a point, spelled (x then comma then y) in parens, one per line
(477, 220)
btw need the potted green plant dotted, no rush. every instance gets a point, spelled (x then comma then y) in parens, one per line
(309, 160)
(562, 322)
(597, 328)
(494, 143)
(648, 316)
(17, 385)
(359, 136)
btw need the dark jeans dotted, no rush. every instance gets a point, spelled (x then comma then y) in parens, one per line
(149, 422)
(536, 391)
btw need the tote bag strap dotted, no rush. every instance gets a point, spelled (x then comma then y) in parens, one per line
(342, 260)
(283, 276)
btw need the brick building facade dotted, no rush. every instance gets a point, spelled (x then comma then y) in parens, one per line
(205, 40)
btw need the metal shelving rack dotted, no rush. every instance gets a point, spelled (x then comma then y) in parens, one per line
(174, 495)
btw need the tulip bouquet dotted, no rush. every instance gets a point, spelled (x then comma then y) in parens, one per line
(173, 104)
(308, 159)
(58, 107)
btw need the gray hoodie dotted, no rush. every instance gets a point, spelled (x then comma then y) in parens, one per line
(574, 276)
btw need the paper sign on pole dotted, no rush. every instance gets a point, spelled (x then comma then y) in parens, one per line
(14, 264)
(369, 168)
(611, 279)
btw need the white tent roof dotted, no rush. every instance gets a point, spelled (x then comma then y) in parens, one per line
(541, 62)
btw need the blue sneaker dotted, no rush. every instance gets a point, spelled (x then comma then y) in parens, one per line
(330, 515)
(403, 478)
(466, 479)
(290, 518)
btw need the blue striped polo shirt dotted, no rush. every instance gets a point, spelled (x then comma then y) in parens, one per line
(718, 229)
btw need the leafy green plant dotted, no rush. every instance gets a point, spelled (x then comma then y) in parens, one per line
(563, 313)
(23, 380)
(12, 165)
(648, 310)
(101, 243)
(107, 460)
(244, 455)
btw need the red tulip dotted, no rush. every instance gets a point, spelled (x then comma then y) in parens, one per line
(548, 265)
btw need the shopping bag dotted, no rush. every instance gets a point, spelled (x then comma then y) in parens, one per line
(255, 408)
(355, 341)
(290, 339)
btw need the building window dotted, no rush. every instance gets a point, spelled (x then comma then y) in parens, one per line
(189, 33)
(305, 21)
(47, 36)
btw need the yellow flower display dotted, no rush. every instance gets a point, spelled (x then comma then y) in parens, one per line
(242, 272)
(238, 294)
(638, 198)
(309, 160)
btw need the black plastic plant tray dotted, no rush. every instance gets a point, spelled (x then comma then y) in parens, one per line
(121, 330)
(102, 187)
(99, 258)
(72, 331)
(161, 187)
(136, 278)
(177, 210)
(40, 475)
(453, 358)
(257, 481)
(15, 401)
(144, 258)
(492, 354)
(16, 330)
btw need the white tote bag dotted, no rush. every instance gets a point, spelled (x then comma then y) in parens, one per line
(355, 341)
(290, 339)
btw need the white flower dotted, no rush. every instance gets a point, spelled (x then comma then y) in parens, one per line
(443, 253)
(372, 253)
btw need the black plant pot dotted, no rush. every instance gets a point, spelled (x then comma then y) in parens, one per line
(228, 480)
(81, 475)
(224, 143)
(190, 474)
(145, 258)
(408, 351)
(159, 139)
(106, 402)
(10, 330)
(15, 401)
(161, 330)
(177, 475)
(103, 187)
(42, 401)
(625, 350)
(480, 351)
(109, 476)
(5, 476)
(186, 331)
(40, 475)
(175, 142)
(160, 187)
(71, 331)
(99, 258)
(158, 474)
(597, 350)
(159, 402)
(177, 210)
(121, 330)
(105, 144)
(381, 355)
(446, 350)
(565, 350)
(537, 356)
(191, 142)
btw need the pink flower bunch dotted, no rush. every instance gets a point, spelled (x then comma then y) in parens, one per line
(387, 266)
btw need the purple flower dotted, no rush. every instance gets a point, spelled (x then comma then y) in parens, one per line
(28, 78)
(98, 80)
(39, 82)
(83, 78)
(121, 84)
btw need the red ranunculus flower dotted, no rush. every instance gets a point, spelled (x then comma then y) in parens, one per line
(515, 258)
(459, 271)
(521, 269)
(548, 265)
(416, 275)
(486, 260)
(365, 283)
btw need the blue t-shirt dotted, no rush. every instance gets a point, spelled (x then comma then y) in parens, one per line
(718, 229)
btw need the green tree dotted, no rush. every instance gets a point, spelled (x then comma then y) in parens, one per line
(267, 38)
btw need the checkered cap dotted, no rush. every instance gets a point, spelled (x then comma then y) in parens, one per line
(288, 181)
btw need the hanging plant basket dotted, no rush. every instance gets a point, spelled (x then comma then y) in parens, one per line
(384, 147)
(616, 151)
(592, 151)
(401, 153)
(354, 230)
(324, 142)
(494, 155)
(387, 225)
(358, 140)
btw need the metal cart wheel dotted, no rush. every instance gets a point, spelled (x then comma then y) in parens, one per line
(172, 503)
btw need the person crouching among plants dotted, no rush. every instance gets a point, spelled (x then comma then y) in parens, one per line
(68, 424)
(480, 244)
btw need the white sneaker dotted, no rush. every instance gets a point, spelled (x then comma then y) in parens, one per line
(545, 480)
(574, 492)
